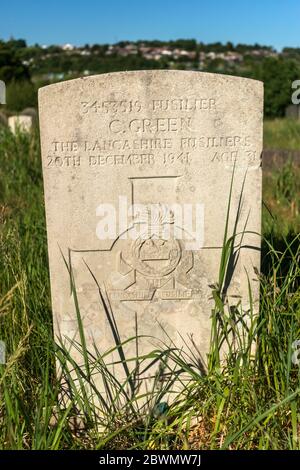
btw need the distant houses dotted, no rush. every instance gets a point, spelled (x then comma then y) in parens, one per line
(173, 53)
(194, 56)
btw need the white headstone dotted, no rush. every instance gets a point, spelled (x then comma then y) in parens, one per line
(137, 173)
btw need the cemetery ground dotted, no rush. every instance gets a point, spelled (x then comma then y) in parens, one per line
(252, 402)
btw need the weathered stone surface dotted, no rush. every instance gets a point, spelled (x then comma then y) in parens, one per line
(23, 123)
(149, 137)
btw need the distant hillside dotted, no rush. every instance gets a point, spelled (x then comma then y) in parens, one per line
(40, 64)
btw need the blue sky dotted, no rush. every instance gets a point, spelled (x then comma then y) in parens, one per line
(271, 22)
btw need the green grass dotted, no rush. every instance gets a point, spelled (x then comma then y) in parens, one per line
(282, 134)
(282, 198)
(252, 403)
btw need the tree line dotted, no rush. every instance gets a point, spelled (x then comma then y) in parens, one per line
(25, 68)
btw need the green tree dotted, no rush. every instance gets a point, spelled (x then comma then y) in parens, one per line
(277, 75)
(11, 67)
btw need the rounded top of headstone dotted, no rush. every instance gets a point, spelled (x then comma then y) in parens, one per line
(150, 76)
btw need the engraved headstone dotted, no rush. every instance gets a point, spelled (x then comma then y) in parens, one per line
(20, 122)
(137, 172)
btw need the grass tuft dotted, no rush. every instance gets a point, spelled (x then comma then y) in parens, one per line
(251, 403)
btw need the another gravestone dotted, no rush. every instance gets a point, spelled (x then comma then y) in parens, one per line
(20, 122)
(137, 173)
(32, 112)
